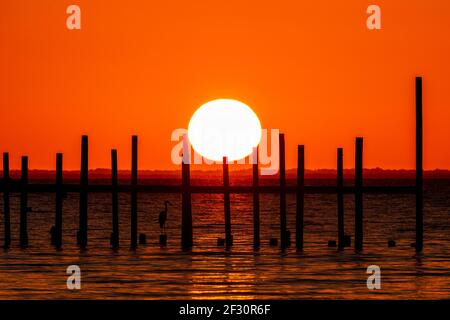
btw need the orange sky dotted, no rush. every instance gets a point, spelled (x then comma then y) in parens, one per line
(310, 68)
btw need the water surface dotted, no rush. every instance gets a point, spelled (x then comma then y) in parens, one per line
(210, 272)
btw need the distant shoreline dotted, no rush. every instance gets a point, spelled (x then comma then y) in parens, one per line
(241, 174)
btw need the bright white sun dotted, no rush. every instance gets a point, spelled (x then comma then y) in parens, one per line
(224, 128)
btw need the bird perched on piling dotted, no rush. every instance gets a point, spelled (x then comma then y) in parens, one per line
(163, 217)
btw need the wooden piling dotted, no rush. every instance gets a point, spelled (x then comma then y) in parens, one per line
(256, 216)
(59, 201)
(340, 198)
(24, 203)
(134, 180)
(359, 195)
(299, 219)
(84, 176)
(6, 207)
(283, 233)
(186, 204)
(115, 200)
(419, 166)
(227, 205)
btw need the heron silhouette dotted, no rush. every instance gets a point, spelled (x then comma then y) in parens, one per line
(163, 217)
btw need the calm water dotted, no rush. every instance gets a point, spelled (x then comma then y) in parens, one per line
(208, 272)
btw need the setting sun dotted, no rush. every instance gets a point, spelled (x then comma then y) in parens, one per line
(224, 128)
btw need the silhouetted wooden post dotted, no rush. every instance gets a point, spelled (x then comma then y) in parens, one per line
(340, 198)
(256, 217)
(115, 200)
(227, 205)
(134, 179)
(283, 237)
(6, 208)
(299, 222)
(59, 201)
(419, 166)
(359, 195)
(24, 203)
(84, 176)
(186, 205)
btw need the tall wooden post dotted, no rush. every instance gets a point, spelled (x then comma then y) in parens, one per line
(299, 221)
(186, 204)
(419, 166)
(6, 207)
(227, 205)
(134, 179)
(24, 203)
(359, 195)
(340, 198)
(84, 176)
(283, 230)
(115, 200)
(59, 201)
(256, 216)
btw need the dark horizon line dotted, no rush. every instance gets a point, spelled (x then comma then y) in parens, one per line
(379, 169)
(105, 173)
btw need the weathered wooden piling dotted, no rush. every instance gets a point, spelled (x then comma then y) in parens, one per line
(115, 200)
(84, 177)
(340, 198)
(419, 166)
(186, 204)
(359, 194)
(256, 214)
(300, 197)
(6, 207)
(24, 203)
(227, 205)
(134, 180)
(57, 236)
(283, 236)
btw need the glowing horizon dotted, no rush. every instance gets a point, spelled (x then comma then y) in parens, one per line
(311, 69)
